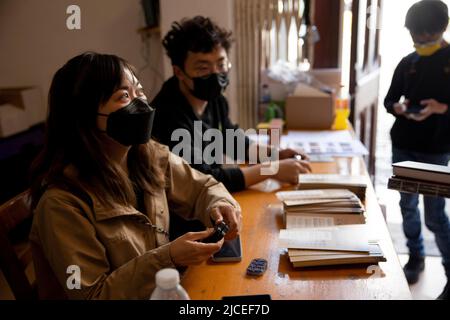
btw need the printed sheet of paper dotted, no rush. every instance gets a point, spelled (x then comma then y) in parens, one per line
(303, 222)
(342, 238)
(332, 143)
(318, 194)
(333, 178)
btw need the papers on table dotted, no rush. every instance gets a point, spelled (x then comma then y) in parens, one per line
(342, 238)
(330, 246)
(314, 195)
(303, 222)
(319, 143)
(321, 208)
(315, 258)
(356, 184)
(332, 143)
(326, 227)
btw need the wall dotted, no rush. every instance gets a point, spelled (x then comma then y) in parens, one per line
(35, 42)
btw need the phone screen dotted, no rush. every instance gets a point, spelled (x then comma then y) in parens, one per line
(414, 109)
(231, 251)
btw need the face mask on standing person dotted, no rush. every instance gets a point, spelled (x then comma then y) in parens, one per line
(428, 49)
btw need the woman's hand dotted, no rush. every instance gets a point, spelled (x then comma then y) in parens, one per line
(188, 250)
(231, 216)
(289, 170)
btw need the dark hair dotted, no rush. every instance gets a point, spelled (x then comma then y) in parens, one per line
(427, 16)
(198, 34)
(72, 137)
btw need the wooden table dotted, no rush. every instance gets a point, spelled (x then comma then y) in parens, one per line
(262, 220)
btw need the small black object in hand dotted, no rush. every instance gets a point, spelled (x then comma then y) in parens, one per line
(415, 109)
(220, 230)
(257, 267)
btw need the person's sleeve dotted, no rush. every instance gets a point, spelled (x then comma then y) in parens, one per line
(69, 239)
(232, 177)
(240, 138)
(396, 89)
(191, 194)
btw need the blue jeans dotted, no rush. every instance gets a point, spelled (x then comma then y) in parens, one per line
(435, 217)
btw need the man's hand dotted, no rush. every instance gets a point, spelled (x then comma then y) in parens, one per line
(289, 153)
(432, 107)
(290, 169)
(231, 216)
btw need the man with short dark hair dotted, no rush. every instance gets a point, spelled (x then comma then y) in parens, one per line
(198, 50)
(421, 131)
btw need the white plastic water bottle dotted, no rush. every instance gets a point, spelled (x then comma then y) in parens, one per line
(168, 286)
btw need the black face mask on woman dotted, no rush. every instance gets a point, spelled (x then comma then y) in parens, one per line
(132, 124)
(210, 87)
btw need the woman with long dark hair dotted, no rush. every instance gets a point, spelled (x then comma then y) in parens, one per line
(102, 190)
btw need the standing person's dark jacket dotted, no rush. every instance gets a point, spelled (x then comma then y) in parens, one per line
(419, 78)
(173, 111)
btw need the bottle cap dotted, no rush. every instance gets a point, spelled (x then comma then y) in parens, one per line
(167, 278)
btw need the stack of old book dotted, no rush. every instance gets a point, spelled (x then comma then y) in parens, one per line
(326, 227)
(422, 178)
(356, 184)
(321, 208)
(330, 246)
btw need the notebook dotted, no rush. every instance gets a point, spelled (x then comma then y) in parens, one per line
(422, 171)
(355, 184)
(314, 258)
(419, 186)
(321, 208)
(339, 238)
(330, 246)
(306, 220)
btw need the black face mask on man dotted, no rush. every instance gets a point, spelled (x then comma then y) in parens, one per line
(132, 124)
(210, 87)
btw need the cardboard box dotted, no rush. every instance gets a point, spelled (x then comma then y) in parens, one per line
(20, 108)
(309, 108)
(329, 77)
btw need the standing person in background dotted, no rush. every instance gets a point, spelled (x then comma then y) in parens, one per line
(421, 131)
